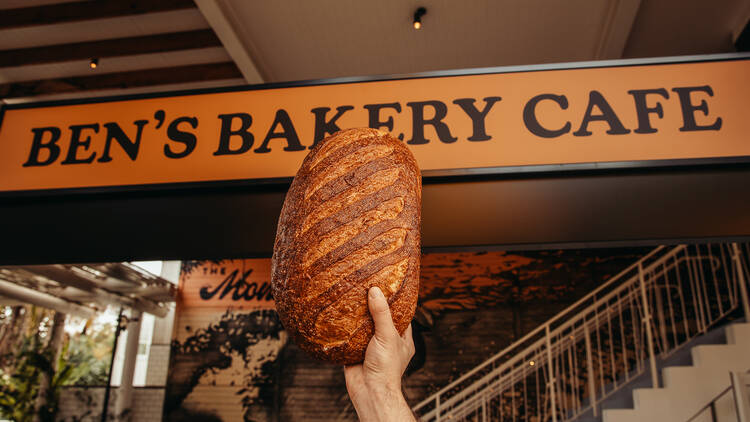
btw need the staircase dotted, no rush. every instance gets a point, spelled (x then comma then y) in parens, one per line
(687, 389)
(592, 354)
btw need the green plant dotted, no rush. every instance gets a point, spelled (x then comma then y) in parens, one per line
(19, 390)
(89, 354)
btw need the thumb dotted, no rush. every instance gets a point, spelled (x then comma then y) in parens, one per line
(381, 314)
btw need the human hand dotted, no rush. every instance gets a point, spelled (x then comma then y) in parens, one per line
(374, 386)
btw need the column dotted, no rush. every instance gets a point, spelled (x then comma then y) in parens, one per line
(125, 392)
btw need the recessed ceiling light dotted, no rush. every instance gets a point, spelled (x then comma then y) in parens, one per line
(418, 17)
(94, 63)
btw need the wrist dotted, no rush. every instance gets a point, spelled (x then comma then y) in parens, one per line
(382, 403)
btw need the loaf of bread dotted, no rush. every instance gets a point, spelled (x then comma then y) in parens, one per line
(351, 220)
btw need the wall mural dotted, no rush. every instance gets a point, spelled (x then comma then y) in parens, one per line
(231, 360)
(226, 341)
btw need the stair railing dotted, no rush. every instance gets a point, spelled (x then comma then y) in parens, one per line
(737, 393)
(570, 364)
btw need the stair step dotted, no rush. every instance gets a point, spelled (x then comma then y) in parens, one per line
(620, 415)
(652, 400)
(739, 334)
(726, 356)
(677, 376)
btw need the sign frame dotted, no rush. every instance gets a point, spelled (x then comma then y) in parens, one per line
(430, 176)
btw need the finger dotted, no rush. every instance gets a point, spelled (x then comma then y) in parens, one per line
(381, 314)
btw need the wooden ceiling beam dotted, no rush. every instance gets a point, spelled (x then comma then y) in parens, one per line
(229, 27)
(85, 10)
(119, 47)
(122, 80)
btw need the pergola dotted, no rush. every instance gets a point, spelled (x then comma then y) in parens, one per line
(85, 289)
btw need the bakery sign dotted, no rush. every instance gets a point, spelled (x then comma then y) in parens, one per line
(679, 112)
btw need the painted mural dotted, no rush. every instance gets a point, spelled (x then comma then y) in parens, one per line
(226, 341)
(231, 359)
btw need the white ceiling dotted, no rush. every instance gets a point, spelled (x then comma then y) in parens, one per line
(332, 38)
(686, 27)
(301, 39)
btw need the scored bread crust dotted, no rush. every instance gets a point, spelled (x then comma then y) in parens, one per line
(350, 220)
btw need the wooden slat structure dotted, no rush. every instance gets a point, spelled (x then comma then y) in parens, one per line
(200, 38)
(132, 79)
(85, 10)
(46, 50)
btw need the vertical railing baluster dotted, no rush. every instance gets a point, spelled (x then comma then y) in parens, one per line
(647, 322)
(538, 395)
(636, 334)
(697, 303)
(611, 346)
(712, 406)
(741, 281)
(512, 395)
(500, 404)
(437, 408)
(484, 408)
(716, 284)
(575, 374)
(590, 369)
(623, 342)
(660, 316)
(551, 369)
(560, 365)
(599, 359)
(682, 299)
(728, 271)
(667, 290)
(573, 379)
(705, 303)
(525, 398)
(741, 398)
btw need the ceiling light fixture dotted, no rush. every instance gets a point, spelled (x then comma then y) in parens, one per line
(418, 17)
(94, 63)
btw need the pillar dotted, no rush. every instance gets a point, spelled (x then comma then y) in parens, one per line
(125, 392)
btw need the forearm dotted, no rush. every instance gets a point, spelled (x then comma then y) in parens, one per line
(382, 405)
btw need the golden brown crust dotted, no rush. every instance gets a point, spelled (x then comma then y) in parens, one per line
(351, 220)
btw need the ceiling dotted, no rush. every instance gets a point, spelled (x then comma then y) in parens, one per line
(46, 46)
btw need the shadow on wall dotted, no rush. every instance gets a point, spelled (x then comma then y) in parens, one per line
(213, 349)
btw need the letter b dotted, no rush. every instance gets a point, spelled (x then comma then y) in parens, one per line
(227, 133)
(38, 144)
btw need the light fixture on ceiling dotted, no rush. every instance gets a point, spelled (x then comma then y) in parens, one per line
(418, 17)
(94, 63)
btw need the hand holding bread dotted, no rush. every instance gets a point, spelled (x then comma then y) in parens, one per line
(350, 221)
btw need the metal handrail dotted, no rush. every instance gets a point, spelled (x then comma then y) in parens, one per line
(733, 386)
(711, 404)
(541, 341)
(638, 288)
(498, 355)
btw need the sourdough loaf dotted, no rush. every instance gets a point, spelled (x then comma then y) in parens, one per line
(351, 220)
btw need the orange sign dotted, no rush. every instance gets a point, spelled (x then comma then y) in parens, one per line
(226, 284)
(594, 115)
